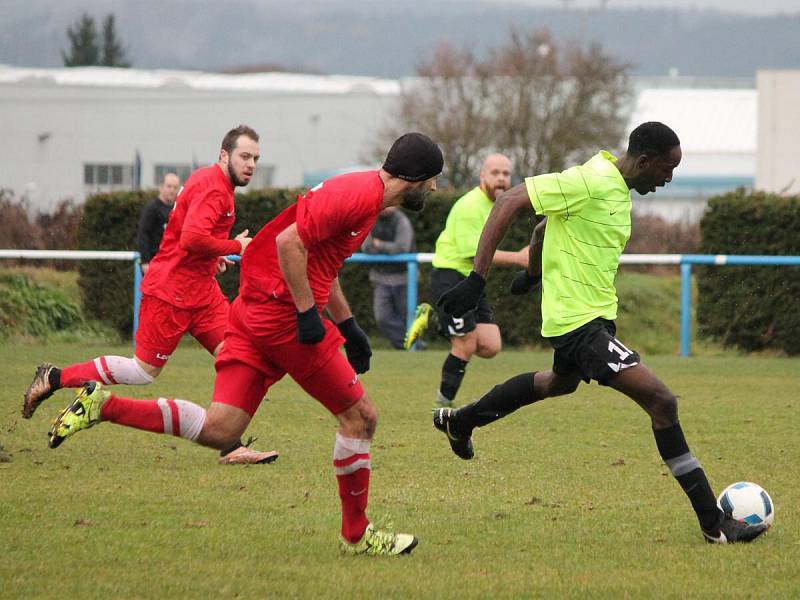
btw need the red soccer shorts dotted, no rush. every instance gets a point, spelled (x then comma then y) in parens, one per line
(247, 367)
(162, 325)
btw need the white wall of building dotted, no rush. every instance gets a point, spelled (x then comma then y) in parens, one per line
(51, 126)
(778, 162)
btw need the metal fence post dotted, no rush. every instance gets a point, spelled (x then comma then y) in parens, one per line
(686, 306)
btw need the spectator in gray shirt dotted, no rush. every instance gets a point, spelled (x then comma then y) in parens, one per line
(391, 234)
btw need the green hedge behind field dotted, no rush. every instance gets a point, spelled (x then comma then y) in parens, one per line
(110, 221)
(752, 308)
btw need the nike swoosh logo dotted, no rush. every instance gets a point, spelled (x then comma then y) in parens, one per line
(358, 493)
(612, 213)
(354, 233)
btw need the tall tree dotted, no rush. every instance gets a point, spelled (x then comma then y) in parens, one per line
(83, 49)
(543, 105)
(113, 50)
(87, 48)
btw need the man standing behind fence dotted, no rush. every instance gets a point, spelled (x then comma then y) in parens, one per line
(179, 292)
(392, 234)
(153, 219)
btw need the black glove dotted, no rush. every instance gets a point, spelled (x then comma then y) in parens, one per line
(523, 282)
(310, 329)
(463, 297)
(356, 345)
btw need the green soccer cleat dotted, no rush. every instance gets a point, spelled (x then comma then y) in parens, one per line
(82, 413)
(418, 325)
(377, 542)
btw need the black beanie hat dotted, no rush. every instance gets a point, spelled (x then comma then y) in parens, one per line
(414, 157)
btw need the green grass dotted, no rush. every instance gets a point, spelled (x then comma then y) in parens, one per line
(567, 498)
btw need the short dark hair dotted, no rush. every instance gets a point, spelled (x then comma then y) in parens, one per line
(652, 138)
(230, 139)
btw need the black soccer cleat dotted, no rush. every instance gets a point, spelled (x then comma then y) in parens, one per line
(461, 444)
(731, 531)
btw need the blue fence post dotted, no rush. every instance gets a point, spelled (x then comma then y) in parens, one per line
(411, 293)
(686, 306)
(137, 293)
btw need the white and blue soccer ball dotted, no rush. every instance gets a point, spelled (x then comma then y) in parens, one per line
(747, 502)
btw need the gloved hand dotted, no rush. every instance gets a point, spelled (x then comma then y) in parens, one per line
(524, 282)
(310, 329)
(463, 297)
(356, 345)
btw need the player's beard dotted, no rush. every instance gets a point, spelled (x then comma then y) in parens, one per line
(235, 179)
(414, 199)
(492, 192)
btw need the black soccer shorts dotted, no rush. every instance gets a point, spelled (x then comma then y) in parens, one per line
(593, 351)
(441, 281)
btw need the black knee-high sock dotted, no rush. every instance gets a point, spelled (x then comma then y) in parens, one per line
(690, 475)
(452, 375)
(499, 402)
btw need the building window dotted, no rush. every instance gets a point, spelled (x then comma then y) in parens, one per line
(182, 171)
(107, 177)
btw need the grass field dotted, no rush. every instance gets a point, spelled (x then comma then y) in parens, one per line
(567, 498)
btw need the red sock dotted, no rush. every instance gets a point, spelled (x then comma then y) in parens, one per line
(351, 464)
(164, 415)
(141, 414)
(75, 376)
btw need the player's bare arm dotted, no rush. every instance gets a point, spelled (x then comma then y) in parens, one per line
(293, 260)
(535, 248)
(505, 208)
(338, 307)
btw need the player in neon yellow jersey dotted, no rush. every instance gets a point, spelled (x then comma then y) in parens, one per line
(475, 333)
(588, 224)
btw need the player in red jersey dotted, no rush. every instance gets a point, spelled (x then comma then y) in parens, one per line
(289, 275)
(179, 293)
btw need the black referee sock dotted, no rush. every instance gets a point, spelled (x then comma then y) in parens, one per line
(499, 402)
(453, 372)
(690, 475)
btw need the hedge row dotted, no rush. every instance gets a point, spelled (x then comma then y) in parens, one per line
(110, 221)
(752, 308)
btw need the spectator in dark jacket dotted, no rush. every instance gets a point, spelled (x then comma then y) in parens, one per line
(391, 234)
(153, 219)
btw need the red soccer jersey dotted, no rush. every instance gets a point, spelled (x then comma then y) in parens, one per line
(332, 220)
(204, 206)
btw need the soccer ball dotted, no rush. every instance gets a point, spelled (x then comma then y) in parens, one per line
(747, 502)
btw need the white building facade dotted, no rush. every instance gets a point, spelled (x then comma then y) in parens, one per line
(71, 132)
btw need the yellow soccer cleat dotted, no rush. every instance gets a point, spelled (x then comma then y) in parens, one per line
(377, 542)
(82, 413)
(418, 325)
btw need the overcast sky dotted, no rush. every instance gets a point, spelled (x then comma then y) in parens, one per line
(761, 7)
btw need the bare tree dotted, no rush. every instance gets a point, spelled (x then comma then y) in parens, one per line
(554, 106)
(449, 101)
(543, 105)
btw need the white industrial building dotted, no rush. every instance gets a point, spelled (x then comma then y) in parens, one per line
(71, 132)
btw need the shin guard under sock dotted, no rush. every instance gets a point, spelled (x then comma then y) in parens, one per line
(453, 371)
(690, 475)
(499, 402)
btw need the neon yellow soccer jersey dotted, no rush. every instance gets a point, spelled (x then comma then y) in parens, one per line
(457, 244)
(588, 211)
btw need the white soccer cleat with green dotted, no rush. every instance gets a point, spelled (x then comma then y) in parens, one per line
(82, 413)
(418, 325)
(377, 542)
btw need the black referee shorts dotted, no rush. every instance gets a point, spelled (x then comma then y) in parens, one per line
(441, 281)
(593, 351)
